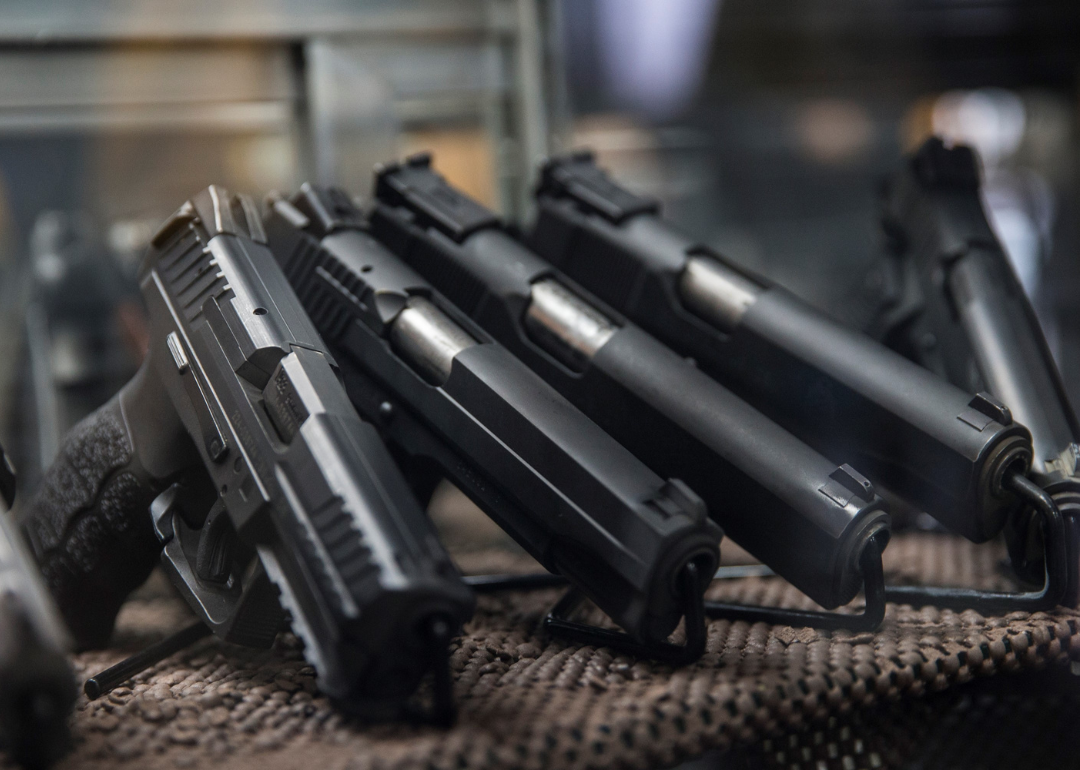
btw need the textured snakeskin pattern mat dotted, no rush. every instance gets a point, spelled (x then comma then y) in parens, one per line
(530, 701)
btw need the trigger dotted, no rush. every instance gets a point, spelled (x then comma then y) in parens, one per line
(161, 513)
(179, 499)
(217, 546)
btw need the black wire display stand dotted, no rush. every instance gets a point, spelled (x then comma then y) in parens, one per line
(1058, 573)
(1055, 556)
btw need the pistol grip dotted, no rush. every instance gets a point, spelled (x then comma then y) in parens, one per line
(89, 522)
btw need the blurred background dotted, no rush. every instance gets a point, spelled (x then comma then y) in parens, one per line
(766, 128)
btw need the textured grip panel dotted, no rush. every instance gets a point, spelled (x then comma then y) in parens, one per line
(89, 525)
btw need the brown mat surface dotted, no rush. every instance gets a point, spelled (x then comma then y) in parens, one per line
(995, 723)
(528, 701)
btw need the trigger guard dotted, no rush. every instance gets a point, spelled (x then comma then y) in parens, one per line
(244, 608)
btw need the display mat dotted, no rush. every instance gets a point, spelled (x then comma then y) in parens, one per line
(1007, 722)
(528, 700)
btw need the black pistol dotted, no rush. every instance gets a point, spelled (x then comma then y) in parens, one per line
(37, 686)
(974, 325)
(961, 458)
(817, 523)
(445, 394)
(235, 453)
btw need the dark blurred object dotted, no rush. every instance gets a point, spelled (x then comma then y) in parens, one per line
(964, 315)
(37, 689)
(917, 44)
(83, 323)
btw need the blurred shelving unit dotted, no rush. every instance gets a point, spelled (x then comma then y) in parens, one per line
(116, 111)
(287, 89)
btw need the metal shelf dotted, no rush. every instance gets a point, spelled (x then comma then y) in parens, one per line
(342, 80)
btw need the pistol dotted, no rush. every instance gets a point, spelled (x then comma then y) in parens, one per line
(975, 326)
(962, 458)
(819, 524)
(37, 687)
(445, 394)
(234, 452)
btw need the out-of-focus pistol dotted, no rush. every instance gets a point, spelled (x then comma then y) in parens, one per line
(444, 393)
(972, 323)
(960, 457)
(37, 687)
(236, 454)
